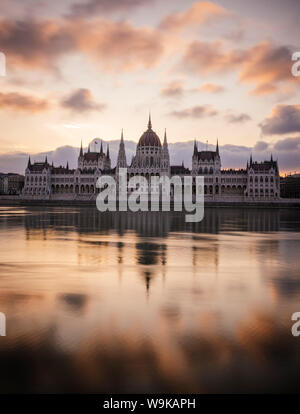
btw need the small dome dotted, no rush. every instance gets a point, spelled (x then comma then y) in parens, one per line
(149, 138)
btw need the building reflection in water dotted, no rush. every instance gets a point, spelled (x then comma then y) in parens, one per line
(145, 302)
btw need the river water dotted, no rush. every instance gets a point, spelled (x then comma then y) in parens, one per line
(144, 302)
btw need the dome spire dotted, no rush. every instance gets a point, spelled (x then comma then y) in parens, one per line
(149, 122)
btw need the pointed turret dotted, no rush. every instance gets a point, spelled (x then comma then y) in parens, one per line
(89, 148)
(46, 160)
(166, 157)
(101, 148)
(67, 165)
(271, 157)
(250, 160)
(121, 162)
(81, 151)
(107, 151)
(29, 162)
(165, 137)
(217, 148)
(195, 149)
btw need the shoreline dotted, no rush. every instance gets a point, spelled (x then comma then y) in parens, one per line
(15, 201)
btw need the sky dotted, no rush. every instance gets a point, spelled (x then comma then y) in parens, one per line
(207, 70)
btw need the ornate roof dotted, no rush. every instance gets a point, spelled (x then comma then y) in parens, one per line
(149, 137)
(264, 166)
(207, 155)
(93, 156)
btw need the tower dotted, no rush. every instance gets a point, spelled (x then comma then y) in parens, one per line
(165, 155)
(121, 162)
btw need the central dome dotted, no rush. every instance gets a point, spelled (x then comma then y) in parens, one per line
(149, 138)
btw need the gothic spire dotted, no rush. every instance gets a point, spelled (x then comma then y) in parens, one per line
(165, 137)
(101, 148)
(29, 162)
(46, 160)
(107, 151)
(271, 157)
(217, 148)
(250, 159)
(121, 162)
(195, 148)
(81, 152)
(149, 122)
(67, 165)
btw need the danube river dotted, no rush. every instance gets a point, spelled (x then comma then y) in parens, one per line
(144, 302)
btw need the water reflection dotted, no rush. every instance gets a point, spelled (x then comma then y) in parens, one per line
(145, 302)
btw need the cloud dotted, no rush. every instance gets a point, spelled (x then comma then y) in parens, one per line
(33, 44)
(237, 119)
(211, 88)
(198, 111)
(210, 57)
(121, 46)
(113, 46)
(199, 13)
(264, 65)
(173, 89)
(81, 100)
(261, 146)
(94, 7)
(289, 145)
(284, 119)
(23, 103)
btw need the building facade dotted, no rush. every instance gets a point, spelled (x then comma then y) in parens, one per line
(290, 186)
(11, 184)
(258, 181)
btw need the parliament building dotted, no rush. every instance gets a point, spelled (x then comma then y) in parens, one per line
(259, 181)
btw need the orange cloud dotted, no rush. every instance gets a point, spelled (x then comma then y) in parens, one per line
(173, 89)
(199, 13)
(25, 103)
(264, 65)
(206, 58)
(32, 44)
(81, 100)
(113, 45)
(198, 111)
(211, 88)
(120, 46)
